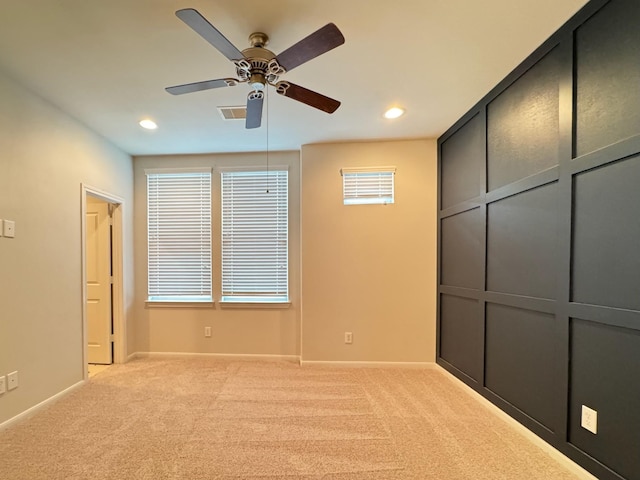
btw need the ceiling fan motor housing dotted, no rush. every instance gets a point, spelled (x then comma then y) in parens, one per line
(259, 65)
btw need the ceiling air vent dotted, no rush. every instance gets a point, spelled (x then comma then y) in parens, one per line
(233, 113)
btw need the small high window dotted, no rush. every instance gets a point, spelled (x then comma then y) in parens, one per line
(370, 185)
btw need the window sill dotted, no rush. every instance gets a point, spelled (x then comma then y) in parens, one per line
(178, 304)
(255, 305)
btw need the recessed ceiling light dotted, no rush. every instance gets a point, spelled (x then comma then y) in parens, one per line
(148, 124)
(394, 112)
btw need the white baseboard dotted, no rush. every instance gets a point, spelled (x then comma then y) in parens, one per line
(221, 356)
(283, 358)
(36, 408)
(342, 364)
(549, 449)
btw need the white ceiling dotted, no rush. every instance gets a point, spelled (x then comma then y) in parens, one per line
(107, 62)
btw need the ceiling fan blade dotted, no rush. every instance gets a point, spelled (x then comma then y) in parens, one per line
(319, 42)
(254, 109)
(309, 97)
(202, 27)
(199, 86)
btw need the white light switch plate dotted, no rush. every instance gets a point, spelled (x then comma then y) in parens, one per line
(9, 229)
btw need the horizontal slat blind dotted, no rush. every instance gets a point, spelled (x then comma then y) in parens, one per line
(368, 187)
(179, 236)
(255, 266)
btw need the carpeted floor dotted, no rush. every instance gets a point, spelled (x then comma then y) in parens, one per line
(203, 418)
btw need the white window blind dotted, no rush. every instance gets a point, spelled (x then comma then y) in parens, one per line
(368, 185)
(179, 236)
(255, 261)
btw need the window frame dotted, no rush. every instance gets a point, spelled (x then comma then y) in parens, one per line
(381, 194)
(246, 300)
(177, 300)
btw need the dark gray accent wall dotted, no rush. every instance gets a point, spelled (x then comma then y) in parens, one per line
(539, 240)
(602, 273)
(605, 368)
(608, 77)
(522, 376)
(522, 124)
(464, 161)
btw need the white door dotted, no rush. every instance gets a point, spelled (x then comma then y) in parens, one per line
(98, 262)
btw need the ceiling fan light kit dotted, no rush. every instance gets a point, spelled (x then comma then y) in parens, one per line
(260, 67)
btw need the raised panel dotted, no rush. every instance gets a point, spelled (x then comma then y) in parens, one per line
(523, 125)
(93, 245)
(608, 76)
(462, 264)
(522, 242)
(462, 162)
(519, 360)
(605, 368)
(606, 235)
(461, 334)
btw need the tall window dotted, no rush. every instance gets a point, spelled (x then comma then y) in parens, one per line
(369, 185)
(255, 263)
(179, 236)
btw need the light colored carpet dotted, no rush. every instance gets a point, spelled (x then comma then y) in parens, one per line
(210, 419)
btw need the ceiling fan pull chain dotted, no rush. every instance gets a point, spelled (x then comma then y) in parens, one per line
(267, 118)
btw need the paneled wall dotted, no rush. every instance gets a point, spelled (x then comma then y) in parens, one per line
(539, 235)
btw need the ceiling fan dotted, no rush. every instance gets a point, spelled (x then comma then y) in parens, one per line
(261, 67)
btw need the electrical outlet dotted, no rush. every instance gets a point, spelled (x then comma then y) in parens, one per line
(207, 331)
(3, 384)
(12, 378)
(9, 228)
(348, 337)
(589, 419)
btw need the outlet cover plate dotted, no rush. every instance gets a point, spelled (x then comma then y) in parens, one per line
(589, 420)
(9, 229)
(12, 380)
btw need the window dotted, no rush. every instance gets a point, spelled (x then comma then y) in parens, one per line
(368, 185)
(179, 236)
(255, 264)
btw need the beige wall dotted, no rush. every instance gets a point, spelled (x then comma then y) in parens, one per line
(366, 269)
(44, 159)
(369, 269)
(234, 331)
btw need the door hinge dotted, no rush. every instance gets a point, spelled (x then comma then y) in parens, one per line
(111, 338)
(111, 281)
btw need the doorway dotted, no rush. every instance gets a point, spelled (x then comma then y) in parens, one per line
(102, 309)
(98, 268)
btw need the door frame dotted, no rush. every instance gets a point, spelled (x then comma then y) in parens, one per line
(119, 328)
